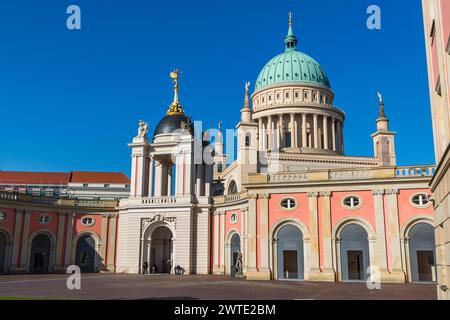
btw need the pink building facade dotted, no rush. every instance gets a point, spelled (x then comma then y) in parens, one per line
(292, 205)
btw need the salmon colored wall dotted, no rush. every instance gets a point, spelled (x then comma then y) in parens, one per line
(300, 213)
(339, 212)
(52, 227)
(232, 226)
(8, 224)
(406, 210)
(445, 17)
(213, 232)
(96, 228)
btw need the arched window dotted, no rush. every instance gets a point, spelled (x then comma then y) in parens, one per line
(232, 187)
(219, 167)
(247, 140)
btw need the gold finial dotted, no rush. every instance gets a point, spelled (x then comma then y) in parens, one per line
(290, 14)
(175, 107)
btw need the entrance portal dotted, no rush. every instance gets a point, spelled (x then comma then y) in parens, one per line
(354, 253)
(161, 251)
(86, 253)
(355, 265)
(290, 253)
(2, 252)
(40, 254)
(421, 252)
(235, 248)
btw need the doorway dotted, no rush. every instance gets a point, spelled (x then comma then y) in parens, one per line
(354, 253)
(355, 265)
(290, 264)
(235, 249)
(161, 251)
(421, 252)
(2, 252)
(40, 254)
(85, 255)
(425, 261)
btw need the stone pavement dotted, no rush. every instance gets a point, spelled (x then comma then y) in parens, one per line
(126, 286)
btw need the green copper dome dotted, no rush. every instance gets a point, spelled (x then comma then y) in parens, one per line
(291, 66)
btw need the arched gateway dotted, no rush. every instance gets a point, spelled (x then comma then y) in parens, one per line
(158, 249)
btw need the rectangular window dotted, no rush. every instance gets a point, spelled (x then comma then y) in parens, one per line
(287, 139)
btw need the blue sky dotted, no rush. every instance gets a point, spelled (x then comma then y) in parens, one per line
(71, 100)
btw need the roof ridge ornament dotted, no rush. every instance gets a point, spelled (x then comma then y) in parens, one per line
(381, 114)
(175, 108)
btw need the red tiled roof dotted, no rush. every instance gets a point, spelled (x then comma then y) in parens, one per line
(24, 177)
(98, 177)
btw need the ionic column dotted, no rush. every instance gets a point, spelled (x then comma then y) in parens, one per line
(270, 129)
(295, 133)
(112, 234)
(103, 241)
(169, 180)
(280, 132)
(342, 136)
(325, 132)
(222, 243)
(314, 229)
(333, 133)
(338, 130)
(179, 174)
(158, 179)
(15, 259)
(216, 241)
(316, 131)
(60, 239)
(260, 130)
(69, 236)
(198, 168)
(150, 177)
(304, 141)
(327, 264)
(292, 130)
(252, 233)
(25, 239)
(381, 251)
(264, 233)
(264, 137)
(394, 232)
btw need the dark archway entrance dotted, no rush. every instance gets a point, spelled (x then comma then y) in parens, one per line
(235, 248)
(290, 262)
(161, 251)
(85, 256)
(40, 254)
(3, 242)
(354, 253)
(421, 252)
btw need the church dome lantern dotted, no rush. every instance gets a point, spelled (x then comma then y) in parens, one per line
(175, 119)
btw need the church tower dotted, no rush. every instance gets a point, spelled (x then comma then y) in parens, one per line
(383, 139)
(247, 148)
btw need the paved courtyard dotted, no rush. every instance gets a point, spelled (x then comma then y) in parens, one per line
(124, 286)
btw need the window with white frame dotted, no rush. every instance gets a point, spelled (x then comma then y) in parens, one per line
(88, 221)
(234, 217)
(45, 219)
(351, 202)
(420, 199)
(288, 203)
